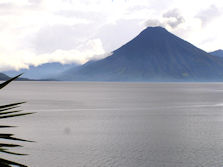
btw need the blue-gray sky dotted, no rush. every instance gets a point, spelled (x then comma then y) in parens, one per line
(33, 32)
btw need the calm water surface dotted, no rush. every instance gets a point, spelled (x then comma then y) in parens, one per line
(119, 124)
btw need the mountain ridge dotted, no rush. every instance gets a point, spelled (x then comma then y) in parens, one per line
(43, 71)
(218, 53)
(154, 55)
(4, 77)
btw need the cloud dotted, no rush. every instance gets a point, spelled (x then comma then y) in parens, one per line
(59, 37)
(176, 16)
(208, 15)
(154, 23)
(92, 49)
(35, 1)
(115, 35)
(170, 18)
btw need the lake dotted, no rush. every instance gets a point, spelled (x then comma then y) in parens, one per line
(92, 124)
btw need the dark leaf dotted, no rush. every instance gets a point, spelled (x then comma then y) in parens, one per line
(7, 162)
(10, 105)
(2, 85)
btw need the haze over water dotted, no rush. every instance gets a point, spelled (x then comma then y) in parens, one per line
(91, 124)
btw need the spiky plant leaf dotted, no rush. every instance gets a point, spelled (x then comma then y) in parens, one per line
(2, 85)
(8, 111)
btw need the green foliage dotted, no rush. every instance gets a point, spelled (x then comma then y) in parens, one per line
(10, 111)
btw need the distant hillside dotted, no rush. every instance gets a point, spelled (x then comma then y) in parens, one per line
(48, 70)
(218, 53)
(3, 77)
(154, 55)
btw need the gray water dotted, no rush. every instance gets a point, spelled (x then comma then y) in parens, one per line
(119, 124)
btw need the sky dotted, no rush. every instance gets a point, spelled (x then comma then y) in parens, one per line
(34, 32)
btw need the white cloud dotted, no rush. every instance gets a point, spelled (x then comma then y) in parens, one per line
(209, 14)
(92, 49)
(170, 19)
(174, 17)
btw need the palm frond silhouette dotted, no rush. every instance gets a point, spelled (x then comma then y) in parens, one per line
(10, 111)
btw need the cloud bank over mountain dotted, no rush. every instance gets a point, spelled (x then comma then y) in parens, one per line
(33, 32)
